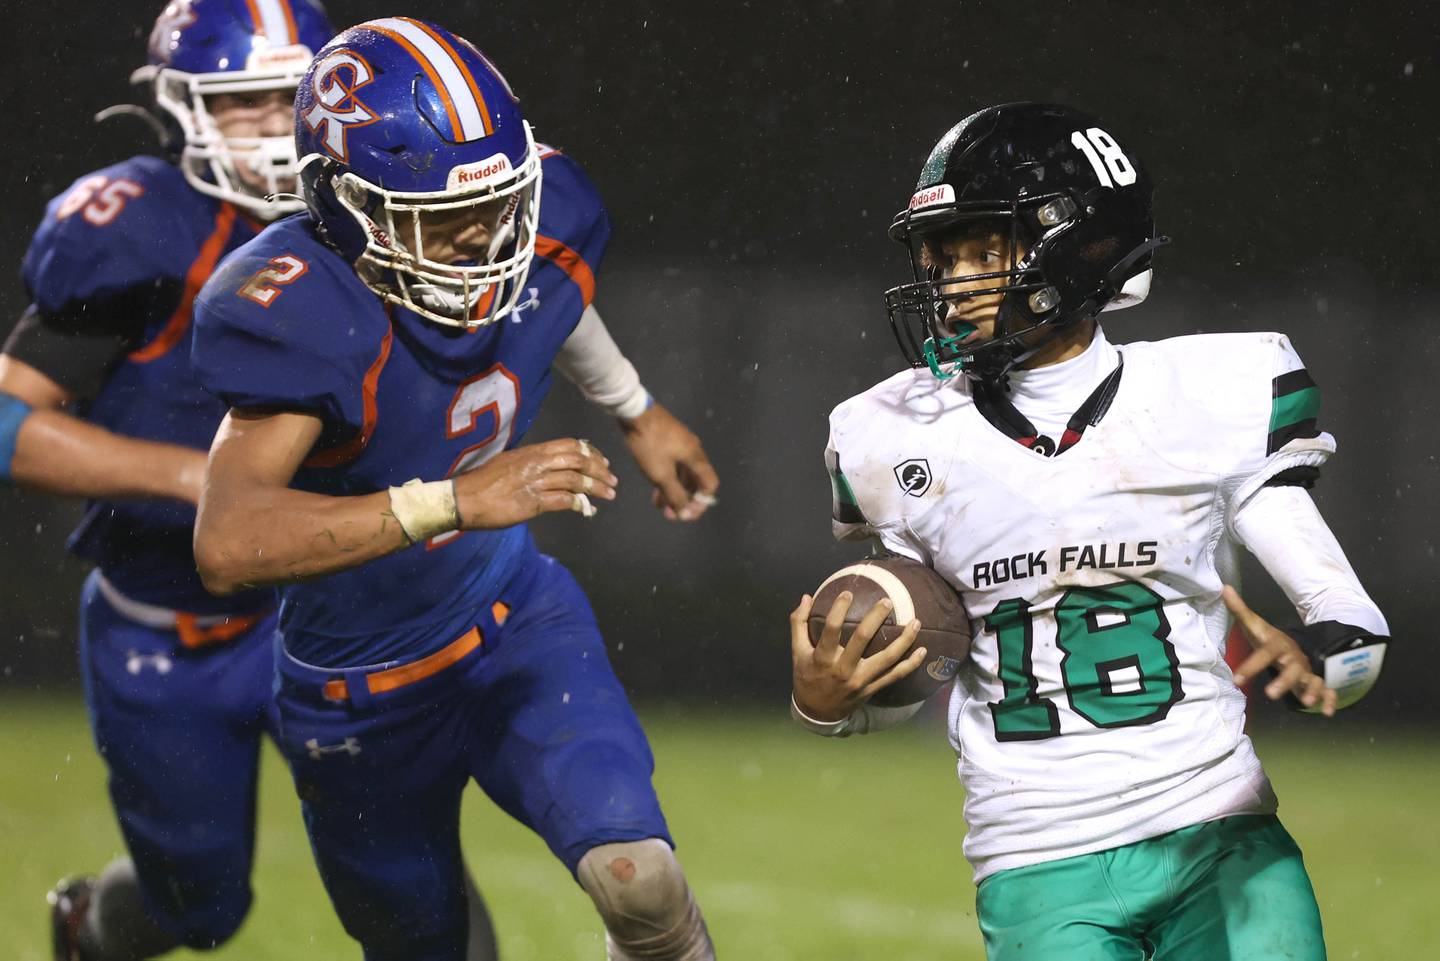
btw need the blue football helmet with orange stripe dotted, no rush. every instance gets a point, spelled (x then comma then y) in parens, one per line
(419, 167)
(203, 48)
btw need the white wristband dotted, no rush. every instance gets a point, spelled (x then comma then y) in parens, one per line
(425, 509)
(838, 728)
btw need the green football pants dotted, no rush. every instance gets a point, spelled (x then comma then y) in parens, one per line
(1227, 890)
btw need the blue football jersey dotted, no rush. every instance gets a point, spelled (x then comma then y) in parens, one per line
(126, 249)
(285, 324)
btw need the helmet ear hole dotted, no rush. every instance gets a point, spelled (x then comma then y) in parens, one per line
(336, 222)
(352, 194)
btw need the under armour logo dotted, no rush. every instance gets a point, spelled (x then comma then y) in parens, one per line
(531, 301)
(913, 476)
(334, 82)
(349, 746)
(135, 662)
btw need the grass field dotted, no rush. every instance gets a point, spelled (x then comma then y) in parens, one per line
(798, 848)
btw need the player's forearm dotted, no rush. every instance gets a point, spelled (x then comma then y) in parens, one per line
(1284, 530)
(61, 454)
(269, 536)
(591, 360)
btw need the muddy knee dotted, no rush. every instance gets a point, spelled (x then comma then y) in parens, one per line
(637, 887)
(642, 895)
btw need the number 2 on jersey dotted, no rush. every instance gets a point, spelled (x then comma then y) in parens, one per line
(497, 392)
(1118, 666)
(265, 285)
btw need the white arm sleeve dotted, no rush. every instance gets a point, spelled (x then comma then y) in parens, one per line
(1284, 530)
(591, 361)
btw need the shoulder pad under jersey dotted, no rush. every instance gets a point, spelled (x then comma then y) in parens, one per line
(1246, 405)
(883, 467)
(131, 224)
(284, 323)
(574, 227)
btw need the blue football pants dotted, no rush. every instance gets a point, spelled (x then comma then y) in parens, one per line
(180, 731)
(535, 716)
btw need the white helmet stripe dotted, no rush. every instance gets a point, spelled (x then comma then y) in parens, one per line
(456, 87)
(273, 18)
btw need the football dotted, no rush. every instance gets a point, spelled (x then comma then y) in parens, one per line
(916, 591)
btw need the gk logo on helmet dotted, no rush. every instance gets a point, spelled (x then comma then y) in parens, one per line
(337, 109)
(172, 22)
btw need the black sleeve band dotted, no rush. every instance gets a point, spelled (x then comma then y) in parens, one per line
(1328, 638)
(79, 347)
(1323, 640)
(1303, 476)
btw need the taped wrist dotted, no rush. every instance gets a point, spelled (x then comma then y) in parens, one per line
(1348, 658)
(424, 509)
(13, 412)
(840, 728)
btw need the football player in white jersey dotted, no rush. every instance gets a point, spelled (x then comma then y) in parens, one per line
(1088, 501)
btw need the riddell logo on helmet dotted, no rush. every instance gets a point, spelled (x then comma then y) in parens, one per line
(376, 234)
(484, 173)
(478, 174)
(943, 194)
(294, 55)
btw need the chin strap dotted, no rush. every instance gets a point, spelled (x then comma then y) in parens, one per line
(156, 125)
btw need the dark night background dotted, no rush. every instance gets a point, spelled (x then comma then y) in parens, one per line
(752, 156)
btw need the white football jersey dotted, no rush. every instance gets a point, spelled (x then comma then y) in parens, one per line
(1096, 709)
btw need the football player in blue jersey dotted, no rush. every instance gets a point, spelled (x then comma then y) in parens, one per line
(98, 399)
(382, 359)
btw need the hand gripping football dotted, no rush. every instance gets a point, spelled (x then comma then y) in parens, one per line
(916, 591)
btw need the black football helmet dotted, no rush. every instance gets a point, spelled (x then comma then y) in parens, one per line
(1072, 194)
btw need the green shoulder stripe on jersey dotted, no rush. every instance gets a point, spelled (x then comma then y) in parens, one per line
(843, 506)
(1294, 409)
